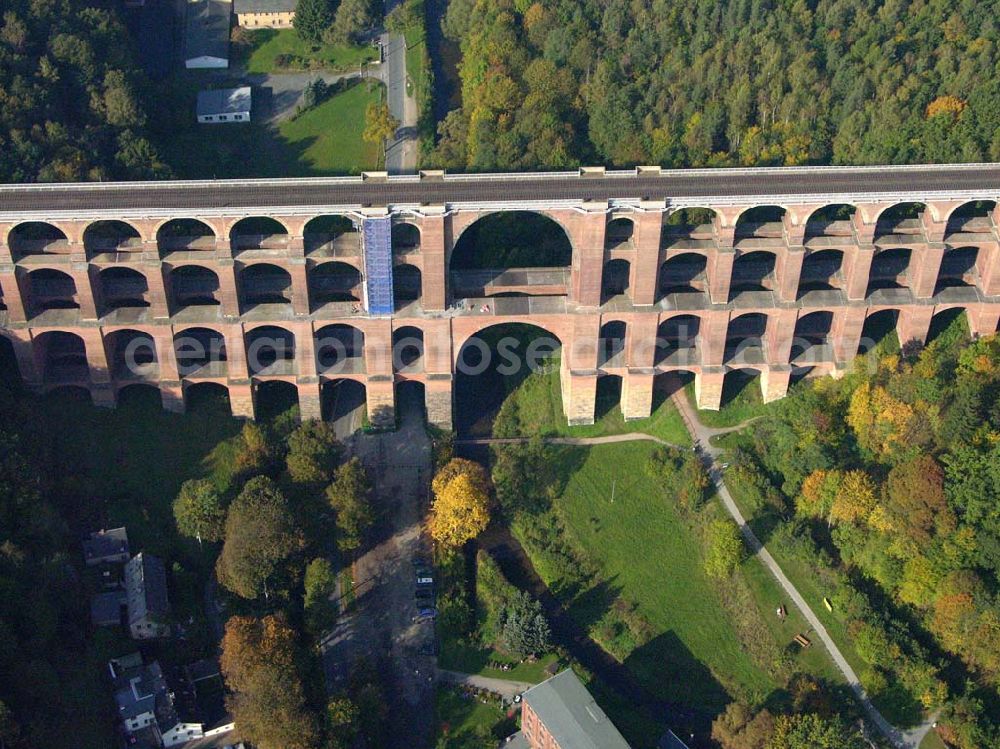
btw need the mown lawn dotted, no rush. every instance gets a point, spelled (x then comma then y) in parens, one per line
(646, 554)
(459, 656)
(535, 407)
(741, 400)
(262, 48)
(327, 139)
(467, 723)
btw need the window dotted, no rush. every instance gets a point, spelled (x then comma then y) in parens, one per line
(222, 118)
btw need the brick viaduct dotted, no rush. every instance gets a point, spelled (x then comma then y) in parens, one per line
(702, 272)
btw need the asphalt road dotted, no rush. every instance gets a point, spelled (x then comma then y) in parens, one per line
(980, 181)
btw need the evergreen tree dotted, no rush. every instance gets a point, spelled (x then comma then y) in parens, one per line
(312, 18)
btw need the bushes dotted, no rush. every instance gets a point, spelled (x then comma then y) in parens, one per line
(684, 473)
(725, 548)
(509, 618)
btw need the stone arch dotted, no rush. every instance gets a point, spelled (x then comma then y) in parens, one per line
(619, 231)
(274, 397)
(834, 220)
(258, 232)
(3, 302)
(411, 394)
(138, 393)
(61, 356)
(821, 271)
(10, 370)
(264, 283)
(37, 238)
(944, 319)
(611, 344)
(201, 352)
(684, 274)
(690, 222)
(890, 269)
(753, 271)
(111, 236)
(206, 396)
(179, 234)
(958, 268)
(737, 380)
(880, 325)
(71, 392)
(340, 348)
(900, 218)
(194, 286)
(615, 279)
(974, 217)
(407, 284)
(123, 287)
(334, 282)
(324, 232)
(407, 348)
(745, 337)
(764, 221)
(812, 334)
(131, 354)
(678, 339)
(406, 237)
(343, 399)
(50, 288)
(512, 239)
(270, 350)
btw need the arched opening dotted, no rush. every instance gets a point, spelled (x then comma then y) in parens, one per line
(406, 284)
(51, 289)
(611, 344)
(408, 349)
(666, 384)
(62, 357)
(831, 221)
(972, 218)
(141, 396)
(745, 338)
(264, 283)
(344, 403)
(10, 371)
(328, 235)
(270, 351)
(880, 331)
(209, 398)
(276, 398)
(194, 286)
(37, 238)
(405, 238)
(761, 222)
(684, 274)
(182, 234)
(618, 232)
(340, 349)
(493, 366)
(3, 303)
(949, 325)
(111, 236)
(753, 271)
(741, 384)
(890, 269)
(958, 269)
(901, 219)
(132, 355)
(200, 352)
(411, 400)
(688, 223)
(258, 233)
(123, 287)
(677, 341)
(334, 282)
(811, 340)
(821, 271)
(498, 253)
(608, 395)
(614, 282)
(65, 395)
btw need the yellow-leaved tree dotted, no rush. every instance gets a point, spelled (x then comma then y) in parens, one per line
(461, 508)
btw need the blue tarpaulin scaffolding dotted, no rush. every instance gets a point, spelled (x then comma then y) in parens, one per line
(377, 236)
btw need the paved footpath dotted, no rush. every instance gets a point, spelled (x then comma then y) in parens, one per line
(506, 689)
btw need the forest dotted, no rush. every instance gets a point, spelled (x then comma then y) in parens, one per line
(884, 485)
(71, 101)
(704, 83)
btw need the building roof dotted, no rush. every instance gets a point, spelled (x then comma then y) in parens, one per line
(102, 544)
(146, 583)
(142, 690)
(571, 715)
(224, 101)
(264, 6)
(106, 608)
(207, 33)
(516, 741)
(670, 741)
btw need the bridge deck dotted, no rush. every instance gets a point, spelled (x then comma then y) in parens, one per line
(799, 184)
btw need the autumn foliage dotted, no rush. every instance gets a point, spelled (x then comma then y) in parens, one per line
(461, 507)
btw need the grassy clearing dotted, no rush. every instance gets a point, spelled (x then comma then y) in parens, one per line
(282, 50)
(741, 400)
(466, 723)
(327, 139)
(535, 408)
(646, 553)
(932, 741)
(468, 659)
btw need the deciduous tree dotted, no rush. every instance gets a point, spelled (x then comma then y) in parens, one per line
(461, 507)
(349, 494)
(199, 512)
